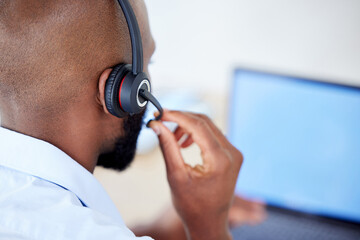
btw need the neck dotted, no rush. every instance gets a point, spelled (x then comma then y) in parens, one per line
(75, 132)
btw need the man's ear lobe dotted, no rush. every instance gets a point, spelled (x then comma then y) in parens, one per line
(101, 88)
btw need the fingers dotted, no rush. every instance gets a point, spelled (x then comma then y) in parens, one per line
(245, 211)
(184, 140)
(223, 140)
(242, 217)
(216, 130)
(197, 128)
(208, 186)
(212, 143)
(187, 143)
(169, 147)
(179, 133)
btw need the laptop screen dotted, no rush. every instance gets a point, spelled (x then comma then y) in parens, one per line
(301, 143)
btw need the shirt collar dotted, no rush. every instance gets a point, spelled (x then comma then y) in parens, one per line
(42, 159)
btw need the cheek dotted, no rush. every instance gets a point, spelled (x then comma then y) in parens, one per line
(116, 127)
(112, 131)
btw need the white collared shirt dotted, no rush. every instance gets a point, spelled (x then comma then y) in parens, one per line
(45, 194)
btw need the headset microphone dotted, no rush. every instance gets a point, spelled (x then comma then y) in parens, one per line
(128, 89)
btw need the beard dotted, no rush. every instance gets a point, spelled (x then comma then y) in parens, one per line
(125, 147)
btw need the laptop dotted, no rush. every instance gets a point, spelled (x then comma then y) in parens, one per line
(301, 144)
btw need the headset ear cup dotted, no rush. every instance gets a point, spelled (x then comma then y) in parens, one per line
(112, 87)
(129, 96)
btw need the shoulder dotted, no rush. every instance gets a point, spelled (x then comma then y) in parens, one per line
(32, 208)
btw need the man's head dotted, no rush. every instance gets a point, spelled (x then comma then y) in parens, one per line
(56, 57)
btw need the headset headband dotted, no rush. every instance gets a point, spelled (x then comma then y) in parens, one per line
(137, 55)
(135, 36)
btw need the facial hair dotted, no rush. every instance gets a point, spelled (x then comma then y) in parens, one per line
(125, 148)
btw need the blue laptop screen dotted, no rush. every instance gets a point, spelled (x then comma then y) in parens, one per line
(301, 143)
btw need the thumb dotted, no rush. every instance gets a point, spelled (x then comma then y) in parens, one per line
(169, 147)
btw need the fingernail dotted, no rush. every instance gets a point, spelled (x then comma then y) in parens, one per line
(157, 130)
(156, 114)
(154, 127)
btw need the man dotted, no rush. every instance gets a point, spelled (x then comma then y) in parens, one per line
(55, 59)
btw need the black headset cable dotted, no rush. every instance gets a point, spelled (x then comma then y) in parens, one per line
(149, 97)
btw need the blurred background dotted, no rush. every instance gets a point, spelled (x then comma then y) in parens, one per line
(200, 43)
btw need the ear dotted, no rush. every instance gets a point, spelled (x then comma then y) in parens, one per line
(101, 88)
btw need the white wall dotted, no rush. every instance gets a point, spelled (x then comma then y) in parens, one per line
(199, 42)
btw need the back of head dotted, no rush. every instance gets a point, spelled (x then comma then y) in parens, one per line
(53, 51)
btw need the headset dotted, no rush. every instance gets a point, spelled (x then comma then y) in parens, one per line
(128, 89)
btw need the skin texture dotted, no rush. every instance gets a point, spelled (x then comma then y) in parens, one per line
(55, 60)
(169, 225)
(61, 99)
(201, 195)
(123, 154)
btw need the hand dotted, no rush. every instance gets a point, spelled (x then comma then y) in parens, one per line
(244, 211)
(169, 225)
(201, 195)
